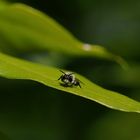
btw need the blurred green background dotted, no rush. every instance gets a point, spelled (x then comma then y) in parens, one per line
(32, 111)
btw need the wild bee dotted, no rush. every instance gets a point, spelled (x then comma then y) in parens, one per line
(69, 80)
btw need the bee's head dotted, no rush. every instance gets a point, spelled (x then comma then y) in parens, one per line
(68, 77)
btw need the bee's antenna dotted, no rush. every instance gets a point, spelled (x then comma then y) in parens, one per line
(62, 71)
(65, 73)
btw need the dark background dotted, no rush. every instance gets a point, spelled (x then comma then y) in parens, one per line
(32, 111)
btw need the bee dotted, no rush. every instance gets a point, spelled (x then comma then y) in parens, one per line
(69, 80)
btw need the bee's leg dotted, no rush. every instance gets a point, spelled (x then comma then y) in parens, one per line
(79, 85)
(64, 84)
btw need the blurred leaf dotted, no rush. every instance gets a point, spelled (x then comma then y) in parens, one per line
(105, 128)
(3, 136)
(129, 77)
(34, 30)
(11, 67)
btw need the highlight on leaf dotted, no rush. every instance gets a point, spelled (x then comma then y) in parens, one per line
(37, 31)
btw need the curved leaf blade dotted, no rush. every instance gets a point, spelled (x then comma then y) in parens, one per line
(33, 29)
(14, 68)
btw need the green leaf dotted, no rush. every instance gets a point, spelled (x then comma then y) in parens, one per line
(14, 68)
(27, 29)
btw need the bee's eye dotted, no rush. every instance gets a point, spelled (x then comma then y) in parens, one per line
(70, 79)
(65, 76)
